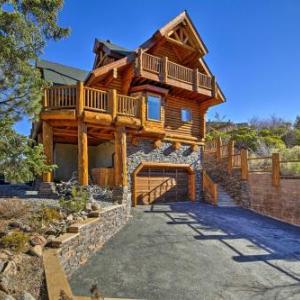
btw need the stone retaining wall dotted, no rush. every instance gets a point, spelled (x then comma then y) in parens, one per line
(90, 235)
(145, 151)
(258, 193)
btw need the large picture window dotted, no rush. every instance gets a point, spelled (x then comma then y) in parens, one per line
(153, 107)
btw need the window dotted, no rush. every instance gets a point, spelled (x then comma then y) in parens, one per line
(153, 107)
(186, 115)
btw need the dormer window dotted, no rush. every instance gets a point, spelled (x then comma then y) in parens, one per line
(154, 107)
(186, 115)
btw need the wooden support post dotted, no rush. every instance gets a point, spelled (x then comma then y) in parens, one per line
(196, 80)
(192, 186)
(176, 145)
(113, 103)
(48, 149)
(139, 62)
(143, 111)
(157, 144)
(244, 164)
(203, 124)
(120, 164)
(83, 174)
(276, 169)
(219, 148)
(230, 156)
(80, 99)
(165, 69)
(195, 147)
(45, 98)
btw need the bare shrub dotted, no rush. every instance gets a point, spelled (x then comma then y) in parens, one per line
(12, 208)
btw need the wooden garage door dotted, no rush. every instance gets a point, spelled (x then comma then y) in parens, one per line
(161, 184)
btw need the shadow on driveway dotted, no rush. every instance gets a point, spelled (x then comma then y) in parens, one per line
(196, 251)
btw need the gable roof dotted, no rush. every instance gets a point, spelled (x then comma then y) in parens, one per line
(112, 48)
(60, 74)
(182, 18)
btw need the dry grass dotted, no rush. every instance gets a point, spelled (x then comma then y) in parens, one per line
(13, 208)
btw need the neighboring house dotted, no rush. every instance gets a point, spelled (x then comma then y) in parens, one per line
(138, 116)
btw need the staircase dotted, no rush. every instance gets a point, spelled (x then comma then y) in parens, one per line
(224, 199)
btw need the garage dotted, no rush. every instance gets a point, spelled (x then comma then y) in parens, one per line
(163, 182)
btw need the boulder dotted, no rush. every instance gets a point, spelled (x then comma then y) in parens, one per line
(36, 251)
(96, 206)
(27, 296)
(70, 217)
(38, 240)
(10, 268)
(2, 264)
(4, 296)
(4, 283)
(88, 206)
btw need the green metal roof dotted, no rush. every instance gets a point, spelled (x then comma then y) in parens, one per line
(60, 74)
(115, 48)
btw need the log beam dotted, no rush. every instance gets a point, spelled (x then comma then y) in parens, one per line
(120, 158)
(48, 149)
(82, 154)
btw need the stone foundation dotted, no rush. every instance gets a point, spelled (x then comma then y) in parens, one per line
(145, 151)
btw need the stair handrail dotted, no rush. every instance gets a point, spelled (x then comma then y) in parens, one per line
(210, 189)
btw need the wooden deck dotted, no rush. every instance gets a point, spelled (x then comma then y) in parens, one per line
(162, 70)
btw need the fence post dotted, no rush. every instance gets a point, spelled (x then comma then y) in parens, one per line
(230, 156)
(275, 169)
(219, 146)
(244, 164)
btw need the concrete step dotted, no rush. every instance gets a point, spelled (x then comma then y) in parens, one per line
(224, 199)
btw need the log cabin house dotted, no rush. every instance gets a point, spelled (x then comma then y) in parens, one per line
(136, 121)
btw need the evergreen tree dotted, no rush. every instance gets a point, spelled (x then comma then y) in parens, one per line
(25, 27)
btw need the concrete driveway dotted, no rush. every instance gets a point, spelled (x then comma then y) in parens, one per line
(196, 251)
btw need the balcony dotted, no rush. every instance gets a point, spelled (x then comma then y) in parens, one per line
(165, 71)
(93, 106)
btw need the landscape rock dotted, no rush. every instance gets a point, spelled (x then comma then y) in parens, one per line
(70, 218)
(27, 296)
(15, 224)
(38, 240)
(88, 206)
(95, 206)
(10, 268)
(4, 296)
(36, 251)
(4, 283)
(2, 264)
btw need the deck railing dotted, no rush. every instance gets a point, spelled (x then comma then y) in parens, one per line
(96, 99)
(128, 106)
(60, 97)
(64, 97)
(168, 69)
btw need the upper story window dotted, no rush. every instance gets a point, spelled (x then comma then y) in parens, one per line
(154, 107)
(186, 115)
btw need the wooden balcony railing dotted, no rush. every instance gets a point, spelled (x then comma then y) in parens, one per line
(96, 99)
(128, 106)
(170, 70)
(60, 97)
(65, 97)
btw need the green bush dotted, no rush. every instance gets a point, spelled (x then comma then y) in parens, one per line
(50, 214)
(76, 202)
(15, 241)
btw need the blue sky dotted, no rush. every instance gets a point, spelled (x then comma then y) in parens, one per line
(254, 46)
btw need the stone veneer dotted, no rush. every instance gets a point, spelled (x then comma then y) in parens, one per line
(145, 151)
(76, 248)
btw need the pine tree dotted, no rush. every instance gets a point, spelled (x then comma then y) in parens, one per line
(25, 27)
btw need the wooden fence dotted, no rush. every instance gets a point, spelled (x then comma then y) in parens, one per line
(249, 164)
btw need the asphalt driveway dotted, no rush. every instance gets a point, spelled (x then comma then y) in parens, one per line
(196, 251)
